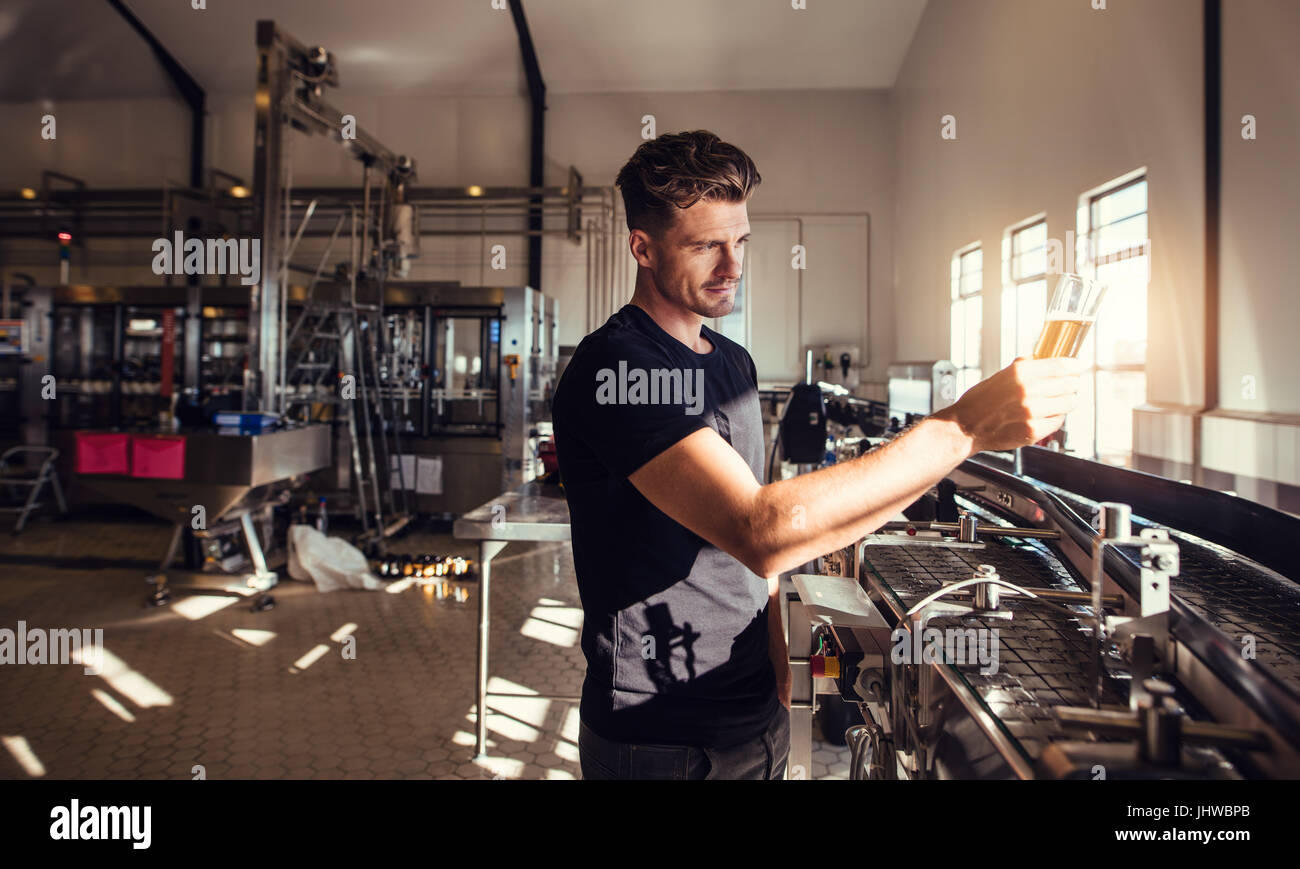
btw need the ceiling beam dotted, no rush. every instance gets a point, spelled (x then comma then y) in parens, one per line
(537, 140)
(191, 91)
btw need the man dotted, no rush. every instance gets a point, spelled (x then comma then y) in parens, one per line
(678, 546)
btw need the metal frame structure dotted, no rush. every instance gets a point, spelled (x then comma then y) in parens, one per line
(290, 80)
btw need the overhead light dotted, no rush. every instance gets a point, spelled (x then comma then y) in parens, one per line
(474, 190)
(28, 193)
(239, 191)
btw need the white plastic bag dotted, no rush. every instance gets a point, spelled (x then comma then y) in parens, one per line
(331, 562)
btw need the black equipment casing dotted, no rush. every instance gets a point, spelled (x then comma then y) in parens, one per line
(803, 425)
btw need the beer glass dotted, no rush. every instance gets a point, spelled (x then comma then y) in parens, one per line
(1070, 316)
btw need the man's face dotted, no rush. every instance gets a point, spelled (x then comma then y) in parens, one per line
(696, 263)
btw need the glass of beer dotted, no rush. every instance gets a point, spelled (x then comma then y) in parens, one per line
(1070, 316)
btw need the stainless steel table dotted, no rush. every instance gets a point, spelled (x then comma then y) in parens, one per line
(531, 512)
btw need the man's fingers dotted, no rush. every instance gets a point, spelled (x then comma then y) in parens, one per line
(1052, 364)
(1050, 387)
(1044, 407)
(1045, 426)
(1057, 376)
(1062, 365)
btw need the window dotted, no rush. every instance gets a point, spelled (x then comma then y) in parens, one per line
(1024, 287)
(1115, 248)
(967, 315)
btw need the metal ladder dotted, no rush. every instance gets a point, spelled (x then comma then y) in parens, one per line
(342, 339)
(326, 340)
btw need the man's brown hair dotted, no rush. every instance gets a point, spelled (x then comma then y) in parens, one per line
(677, 170)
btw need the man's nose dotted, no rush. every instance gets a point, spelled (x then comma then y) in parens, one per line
(732, 257)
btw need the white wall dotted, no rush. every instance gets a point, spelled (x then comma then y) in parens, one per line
(136, 143)
(106, 143)
(1259, 283)
(818, 152)
(1051, 98)
(1256, 439)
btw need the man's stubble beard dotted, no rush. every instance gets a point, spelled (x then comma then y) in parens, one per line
(720, 309)
(702, 305)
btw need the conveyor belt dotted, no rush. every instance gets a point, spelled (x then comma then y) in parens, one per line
(1044, 657)
(1227, 590)
(1234, 594)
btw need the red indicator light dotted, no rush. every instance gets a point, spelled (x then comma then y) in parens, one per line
(65, 236)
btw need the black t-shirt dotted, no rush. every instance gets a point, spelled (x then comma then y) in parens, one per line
(675, 629)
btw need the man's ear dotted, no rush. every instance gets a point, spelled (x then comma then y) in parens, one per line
(640, 244)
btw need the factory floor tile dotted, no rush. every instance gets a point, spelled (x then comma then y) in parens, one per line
(349, 684)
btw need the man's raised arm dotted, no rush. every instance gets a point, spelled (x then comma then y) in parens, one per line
(704, 484)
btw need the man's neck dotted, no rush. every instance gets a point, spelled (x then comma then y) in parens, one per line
(682, 324)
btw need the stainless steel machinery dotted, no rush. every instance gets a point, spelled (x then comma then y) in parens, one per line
(469, 373)
(1075, 621)
(464, 373)
(228, 482)
(920, 388)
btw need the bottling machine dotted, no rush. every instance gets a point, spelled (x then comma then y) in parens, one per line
(464, 374)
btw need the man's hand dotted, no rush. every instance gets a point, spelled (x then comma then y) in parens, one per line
(784, 685)
(1020, 405)
(778, 651)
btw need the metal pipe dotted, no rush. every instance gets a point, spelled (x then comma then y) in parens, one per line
(588, 328)
(1081, 598)
(34, 257)
(365, 212)
(278, 397)
(995, 530)
(611, 288)
(450, 197)
(601, 290)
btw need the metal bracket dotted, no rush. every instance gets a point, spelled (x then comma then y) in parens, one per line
(1158, 559)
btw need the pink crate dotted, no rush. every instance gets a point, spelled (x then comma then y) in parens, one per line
(160, 458)
(103, 453)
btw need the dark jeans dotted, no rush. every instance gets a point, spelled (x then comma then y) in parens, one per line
(759, 759)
